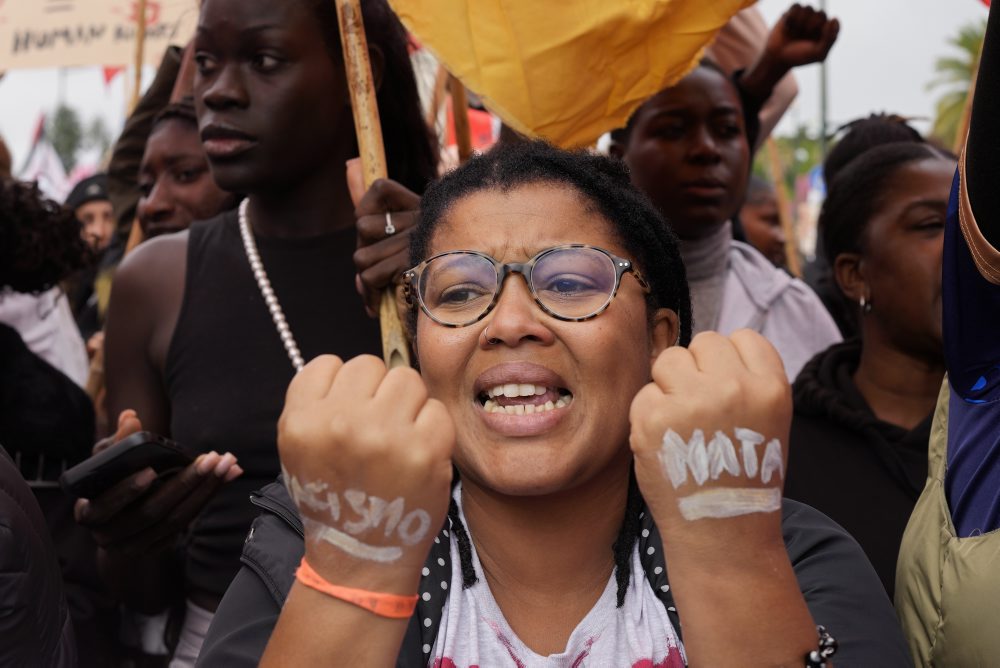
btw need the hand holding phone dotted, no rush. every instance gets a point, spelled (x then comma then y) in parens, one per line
(131, 515)
(96, 475)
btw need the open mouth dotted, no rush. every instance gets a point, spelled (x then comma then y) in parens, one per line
(523, 398)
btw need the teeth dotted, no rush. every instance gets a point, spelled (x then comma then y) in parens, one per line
(513, 390)
(492, 406)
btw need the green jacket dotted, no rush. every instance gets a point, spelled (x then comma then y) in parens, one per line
(947, 588)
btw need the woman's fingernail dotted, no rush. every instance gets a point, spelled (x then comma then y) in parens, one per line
(207, 462)
(224, 464)
(144, 479)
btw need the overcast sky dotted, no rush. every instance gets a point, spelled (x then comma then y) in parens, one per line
(882, 61)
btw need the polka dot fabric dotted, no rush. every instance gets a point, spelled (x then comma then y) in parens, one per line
(433, 594)
(277, 566)
(436, 575)
(655, 567)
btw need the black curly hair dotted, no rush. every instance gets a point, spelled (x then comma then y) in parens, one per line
(40, 241)
(602, 181)
(605, 184)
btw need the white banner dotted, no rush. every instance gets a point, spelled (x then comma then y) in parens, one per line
(69, 33)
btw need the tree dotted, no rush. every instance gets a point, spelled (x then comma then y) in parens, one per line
(66, 134)
(97, 136)
(954, 74)
(799, 153)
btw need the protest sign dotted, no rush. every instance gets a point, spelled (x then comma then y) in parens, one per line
(69, 33)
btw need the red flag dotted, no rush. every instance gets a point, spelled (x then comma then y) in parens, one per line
(111, 72)
(480, 128)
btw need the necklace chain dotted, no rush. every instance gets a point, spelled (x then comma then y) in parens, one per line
(266, 291)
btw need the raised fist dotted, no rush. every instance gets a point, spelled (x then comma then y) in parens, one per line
(367, 458)
(801, 36)
(710, 438)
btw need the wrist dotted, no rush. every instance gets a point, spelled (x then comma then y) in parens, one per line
(761, 78)
(709, 545)
(337, 568)
(391, 606)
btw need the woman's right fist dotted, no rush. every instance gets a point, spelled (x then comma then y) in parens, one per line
(367, 458)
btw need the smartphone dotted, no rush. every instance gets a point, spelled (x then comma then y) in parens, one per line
(92, 477)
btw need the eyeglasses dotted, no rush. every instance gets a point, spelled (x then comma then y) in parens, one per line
(572, 282)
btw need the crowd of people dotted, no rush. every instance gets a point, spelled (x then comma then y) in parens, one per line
(629, 435)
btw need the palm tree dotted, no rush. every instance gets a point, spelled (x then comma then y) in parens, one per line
(954, 74)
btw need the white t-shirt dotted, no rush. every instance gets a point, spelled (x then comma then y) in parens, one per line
(45, 323)
(473, 631)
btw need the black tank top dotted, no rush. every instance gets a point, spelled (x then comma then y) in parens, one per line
(227, 370)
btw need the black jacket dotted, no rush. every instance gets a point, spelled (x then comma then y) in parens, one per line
(35, 626)
(837, 581)
(863, 473)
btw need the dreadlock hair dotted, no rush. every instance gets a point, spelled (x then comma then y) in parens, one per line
(863, 134)
(410, 148)
(859, 191)
(604, 184)
(40, 241)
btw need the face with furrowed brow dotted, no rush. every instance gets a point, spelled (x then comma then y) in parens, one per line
(578, 377)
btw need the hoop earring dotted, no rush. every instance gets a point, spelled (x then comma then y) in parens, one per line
(866, 305)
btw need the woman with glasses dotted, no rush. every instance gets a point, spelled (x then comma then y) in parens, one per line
(518, 501)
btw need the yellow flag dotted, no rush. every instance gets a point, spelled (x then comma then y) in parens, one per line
(566, 70)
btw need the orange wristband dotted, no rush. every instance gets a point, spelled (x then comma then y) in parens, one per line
(392, 606)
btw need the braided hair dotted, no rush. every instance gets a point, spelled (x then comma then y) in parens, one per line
(863, 134)
(653, 246)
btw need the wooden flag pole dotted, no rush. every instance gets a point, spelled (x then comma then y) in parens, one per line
(437, 96)
(373, 166)
(95, 377)
(460, 113)
(784, 210)
(140, 46)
